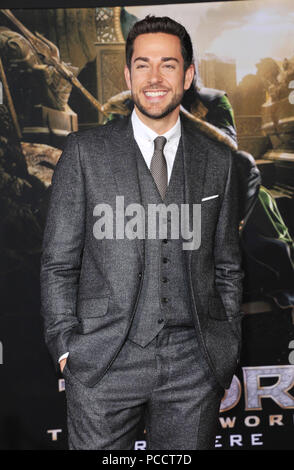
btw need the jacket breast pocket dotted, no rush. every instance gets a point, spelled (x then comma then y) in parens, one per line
(209, 215)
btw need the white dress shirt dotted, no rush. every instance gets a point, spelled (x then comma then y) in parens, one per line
(144, 137)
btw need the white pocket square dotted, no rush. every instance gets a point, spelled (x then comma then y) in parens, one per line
(210, 197)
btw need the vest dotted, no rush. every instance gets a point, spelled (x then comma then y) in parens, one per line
(164, 298)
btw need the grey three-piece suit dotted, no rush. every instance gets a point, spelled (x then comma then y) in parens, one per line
(152, 330)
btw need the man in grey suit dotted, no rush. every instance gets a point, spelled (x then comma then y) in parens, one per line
(144, 326)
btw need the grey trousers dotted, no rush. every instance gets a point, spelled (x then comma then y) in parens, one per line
(168, 383)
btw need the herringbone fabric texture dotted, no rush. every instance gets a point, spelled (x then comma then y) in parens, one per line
(158, 166)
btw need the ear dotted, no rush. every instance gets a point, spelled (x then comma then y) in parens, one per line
(127, 77)
(189, 75)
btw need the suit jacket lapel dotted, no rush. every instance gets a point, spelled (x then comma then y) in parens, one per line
(195, 160)
(121, 148)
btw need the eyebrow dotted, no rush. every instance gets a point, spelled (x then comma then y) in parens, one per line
(163, 59)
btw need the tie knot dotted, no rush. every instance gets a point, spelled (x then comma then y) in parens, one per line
(159, 143)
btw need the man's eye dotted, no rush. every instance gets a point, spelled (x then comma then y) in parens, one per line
(141, 66)
(169, 66)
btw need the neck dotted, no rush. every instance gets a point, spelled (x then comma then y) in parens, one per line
(160, 126)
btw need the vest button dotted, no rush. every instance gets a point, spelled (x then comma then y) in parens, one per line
(164, 300)
(161, 320)
(164, 279)
(140, 275)
(165, 240)
(165, 260)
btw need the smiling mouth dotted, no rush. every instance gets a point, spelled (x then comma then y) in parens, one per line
(155, 94)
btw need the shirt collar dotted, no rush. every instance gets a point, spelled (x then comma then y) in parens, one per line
(144, 132)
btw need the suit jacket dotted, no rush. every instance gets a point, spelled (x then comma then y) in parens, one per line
(90, 288)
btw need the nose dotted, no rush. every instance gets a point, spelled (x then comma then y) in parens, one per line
(155, 76)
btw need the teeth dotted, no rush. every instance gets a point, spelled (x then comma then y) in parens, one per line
(155, 93)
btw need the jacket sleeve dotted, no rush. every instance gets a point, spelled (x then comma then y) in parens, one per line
(227, 251)
(63, 243)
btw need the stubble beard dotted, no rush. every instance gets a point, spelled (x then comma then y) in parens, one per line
(175, 102)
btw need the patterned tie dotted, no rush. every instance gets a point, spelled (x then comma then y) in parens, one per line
(158, 166)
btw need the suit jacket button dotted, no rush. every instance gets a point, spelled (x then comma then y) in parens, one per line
(140, 275)
(165, 260)
(161, 320)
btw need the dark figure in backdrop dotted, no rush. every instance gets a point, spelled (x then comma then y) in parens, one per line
(268, 249)
(146, 326)
(214, 107)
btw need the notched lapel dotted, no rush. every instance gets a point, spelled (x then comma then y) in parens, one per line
(121, 150)
(195, 161)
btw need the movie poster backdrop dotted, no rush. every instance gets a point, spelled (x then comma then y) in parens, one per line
(62, 71)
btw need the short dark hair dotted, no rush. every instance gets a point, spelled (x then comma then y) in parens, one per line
(157, 24)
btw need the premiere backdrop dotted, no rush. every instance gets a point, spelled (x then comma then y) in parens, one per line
(58, 67)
